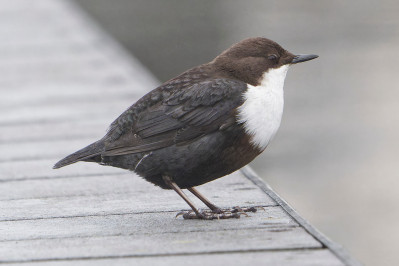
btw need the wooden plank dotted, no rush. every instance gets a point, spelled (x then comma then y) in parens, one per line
(65, 83)
(73, 186)
(62, 71)
(157, 244)
(42, 169)
(71, 197)
(132, 224)
(41, 149)
(310, 257)
(123, 182)
(45, 95)
(65, 112)
(18, 133)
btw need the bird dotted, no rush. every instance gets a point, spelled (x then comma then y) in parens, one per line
(204, 124)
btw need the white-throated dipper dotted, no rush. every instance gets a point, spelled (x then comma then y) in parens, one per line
(206, 123)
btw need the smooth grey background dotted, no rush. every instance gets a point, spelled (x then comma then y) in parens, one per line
(336, 154)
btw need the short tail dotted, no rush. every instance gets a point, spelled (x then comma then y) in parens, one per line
(90, 151)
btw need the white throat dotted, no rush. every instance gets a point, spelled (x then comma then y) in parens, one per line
(262, 109)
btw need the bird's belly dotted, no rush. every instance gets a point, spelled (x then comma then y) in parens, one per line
(203, 160)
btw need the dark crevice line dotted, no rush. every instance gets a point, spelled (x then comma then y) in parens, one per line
(55, 157)
(31, 158)
(49, 138)
(54, 138)
(57, 102)
(93, 136)
(76, 99)
(52, 121)
(269, 228)
(60, 177)
(109, 214)
(95, 120)
(74, 196)
(271, 250)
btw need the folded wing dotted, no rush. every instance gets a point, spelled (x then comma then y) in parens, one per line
(181, 117)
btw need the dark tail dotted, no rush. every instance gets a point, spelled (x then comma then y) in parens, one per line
(90, 151)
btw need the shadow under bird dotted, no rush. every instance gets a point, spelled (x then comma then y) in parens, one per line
(204, 124)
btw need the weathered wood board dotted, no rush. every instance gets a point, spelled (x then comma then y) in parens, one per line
(63, 82)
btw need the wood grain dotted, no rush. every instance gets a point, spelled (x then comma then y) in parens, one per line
(63, 82)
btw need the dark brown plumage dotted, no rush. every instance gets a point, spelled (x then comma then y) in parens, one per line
(185, 132)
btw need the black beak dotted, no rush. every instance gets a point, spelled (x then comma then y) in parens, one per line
(303, 57)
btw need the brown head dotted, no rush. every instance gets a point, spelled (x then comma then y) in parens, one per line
(249, 59)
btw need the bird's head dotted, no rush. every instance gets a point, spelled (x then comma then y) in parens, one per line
(250, 59)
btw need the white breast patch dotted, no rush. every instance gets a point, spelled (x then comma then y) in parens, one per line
(263, 107)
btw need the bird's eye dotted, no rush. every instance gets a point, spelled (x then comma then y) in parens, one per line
(272, 57)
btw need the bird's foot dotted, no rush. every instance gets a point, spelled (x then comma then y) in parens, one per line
(208, 215)
(234, 212)
(243, 210)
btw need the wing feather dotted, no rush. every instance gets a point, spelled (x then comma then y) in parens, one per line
(182, 117)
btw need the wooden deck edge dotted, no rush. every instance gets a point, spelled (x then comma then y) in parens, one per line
(335, 248)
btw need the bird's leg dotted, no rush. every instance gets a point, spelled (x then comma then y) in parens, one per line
(168, 181)
(210, 205)
(216, 209)
(216, 212)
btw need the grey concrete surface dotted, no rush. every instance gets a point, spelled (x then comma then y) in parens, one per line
(61, 71)
(335, 156)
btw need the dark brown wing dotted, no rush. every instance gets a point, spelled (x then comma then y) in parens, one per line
(181, 117)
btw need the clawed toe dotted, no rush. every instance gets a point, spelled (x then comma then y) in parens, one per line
(245, 209)
(182, 213)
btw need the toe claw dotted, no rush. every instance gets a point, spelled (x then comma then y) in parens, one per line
(244, 214)
(254, 209)
(180, 213)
